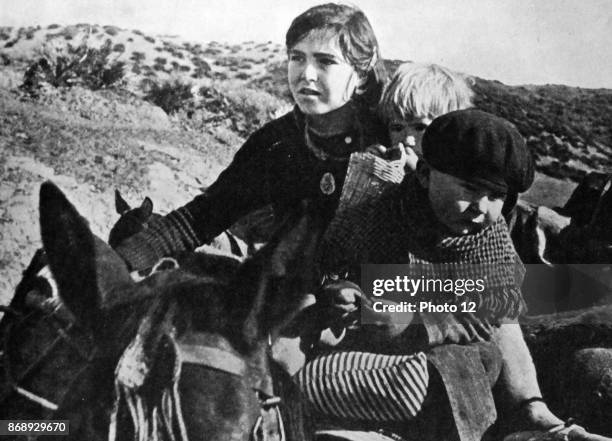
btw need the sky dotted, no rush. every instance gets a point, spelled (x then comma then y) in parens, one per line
(513, 41)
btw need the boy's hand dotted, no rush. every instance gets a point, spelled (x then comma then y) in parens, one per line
(466, 328)
(409, 156)
(385, 324)
(337, 305)
(341, 296)
(475, 328)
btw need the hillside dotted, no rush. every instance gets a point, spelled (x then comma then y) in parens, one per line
(91, 136)
(153, 57)
(569, 129)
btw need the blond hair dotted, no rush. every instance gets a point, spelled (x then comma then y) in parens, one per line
(424, 90)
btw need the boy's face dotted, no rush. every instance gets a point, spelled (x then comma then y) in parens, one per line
(408, 132)
(464, 207)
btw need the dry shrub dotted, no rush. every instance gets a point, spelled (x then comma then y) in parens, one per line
(170, 96)
(66, 66)
(111, 30)
(247, 108)
(137, 56)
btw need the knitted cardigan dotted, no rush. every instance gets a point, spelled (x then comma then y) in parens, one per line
(274, 166)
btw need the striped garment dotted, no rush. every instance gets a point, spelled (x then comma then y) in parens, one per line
(366, 386)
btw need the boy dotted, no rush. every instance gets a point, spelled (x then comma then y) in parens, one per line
(416, 95)
(448, 213)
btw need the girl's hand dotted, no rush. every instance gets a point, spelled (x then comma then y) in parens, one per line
(396, 157)
(377, 150)
(394, 154)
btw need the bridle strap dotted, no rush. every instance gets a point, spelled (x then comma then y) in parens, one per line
(215, 358)
(225, 359)
(35, 398)
(62, 335)
(216, 352)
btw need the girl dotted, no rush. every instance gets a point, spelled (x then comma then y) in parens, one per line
(335, 75)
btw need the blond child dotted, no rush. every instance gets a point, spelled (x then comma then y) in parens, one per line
(415, 96)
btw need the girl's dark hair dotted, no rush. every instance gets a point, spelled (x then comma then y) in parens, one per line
(355, 37)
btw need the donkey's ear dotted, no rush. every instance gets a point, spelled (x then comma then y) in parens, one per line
(69, 245)
(121, 206)
(85, 268)
(146, 208)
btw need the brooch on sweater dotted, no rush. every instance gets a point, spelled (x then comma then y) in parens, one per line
(327, 184)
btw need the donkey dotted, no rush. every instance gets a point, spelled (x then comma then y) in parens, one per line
(237, 304)
(219, 320)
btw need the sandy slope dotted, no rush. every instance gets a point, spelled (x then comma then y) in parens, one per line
(88, 159)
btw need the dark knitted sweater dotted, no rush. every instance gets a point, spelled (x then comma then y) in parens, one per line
(400, 228)
(274, 166)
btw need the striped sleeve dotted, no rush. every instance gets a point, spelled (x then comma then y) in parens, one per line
(163, 237)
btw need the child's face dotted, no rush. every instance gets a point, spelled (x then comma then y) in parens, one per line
(320, 79)
(464, 207)
(408, 132)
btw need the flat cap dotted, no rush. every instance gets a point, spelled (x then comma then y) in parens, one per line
(479, 147)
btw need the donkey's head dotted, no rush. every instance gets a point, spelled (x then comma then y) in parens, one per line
(132, 220)
(224, 318)
(42, 350)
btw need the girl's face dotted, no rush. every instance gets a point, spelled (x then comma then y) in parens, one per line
(320, 78)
